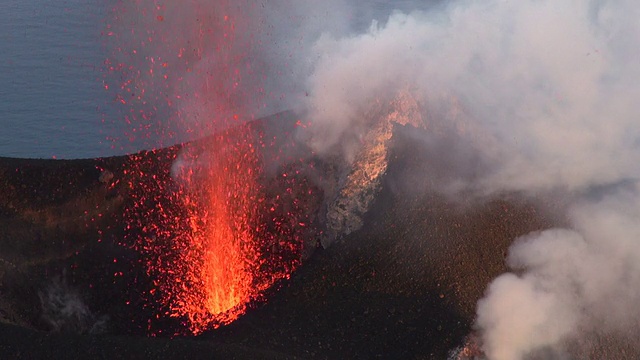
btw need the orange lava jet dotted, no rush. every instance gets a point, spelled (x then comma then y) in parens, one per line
(220, 255)
(214, 237)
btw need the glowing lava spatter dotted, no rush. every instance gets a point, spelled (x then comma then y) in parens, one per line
(217, 236)
(220, 260)
(212, 238)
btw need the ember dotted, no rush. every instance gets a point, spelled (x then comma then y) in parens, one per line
(218, 270)
(212, 238)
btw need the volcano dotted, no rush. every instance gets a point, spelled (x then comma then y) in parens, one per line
(380, 271)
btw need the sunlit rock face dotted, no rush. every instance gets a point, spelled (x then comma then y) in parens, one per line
(360, 179)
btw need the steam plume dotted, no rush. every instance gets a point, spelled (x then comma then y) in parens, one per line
(63, 310)
(540, 94)
(536, 97)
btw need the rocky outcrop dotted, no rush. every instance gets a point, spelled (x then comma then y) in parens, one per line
(360, 180)
(405, 286)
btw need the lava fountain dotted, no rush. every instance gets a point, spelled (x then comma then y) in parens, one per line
(215, 231)
(212, 239)
(219, 259)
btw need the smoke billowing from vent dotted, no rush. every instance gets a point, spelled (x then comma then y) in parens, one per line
(64, 310)
(570, 282)
(541, 96)
(537, 97)
(544, 91)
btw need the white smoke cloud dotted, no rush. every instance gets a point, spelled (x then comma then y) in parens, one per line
(546, 85)
(542, 94)
(537, 95)
(64, 310)
(570, 282)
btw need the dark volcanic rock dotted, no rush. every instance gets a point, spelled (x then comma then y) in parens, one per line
(403, 286)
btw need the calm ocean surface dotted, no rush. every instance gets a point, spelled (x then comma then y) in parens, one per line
(52, 99)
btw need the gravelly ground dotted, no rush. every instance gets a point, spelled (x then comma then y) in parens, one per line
(402, 287)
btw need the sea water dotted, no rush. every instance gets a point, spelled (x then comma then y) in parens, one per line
(53, 101)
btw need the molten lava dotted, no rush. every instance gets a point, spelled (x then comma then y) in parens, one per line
(216, 232)
(215, 236)
(220, 257)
